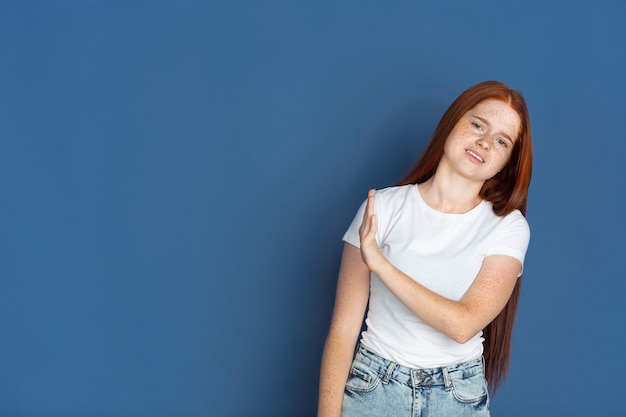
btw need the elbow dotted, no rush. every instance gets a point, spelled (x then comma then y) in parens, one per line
(338, 335)
(462, 332)
(463, 327)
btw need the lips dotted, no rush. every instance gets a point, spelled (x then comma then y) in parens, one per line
(475, 155)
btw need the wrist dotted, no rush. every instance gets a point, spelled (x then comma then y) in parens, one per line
(379, 264)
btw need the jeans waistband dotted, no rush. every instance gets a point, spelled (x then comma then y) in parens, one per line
(418, 376)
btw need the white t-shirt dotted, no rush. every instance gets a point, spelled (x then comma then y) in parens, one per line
(441, 251)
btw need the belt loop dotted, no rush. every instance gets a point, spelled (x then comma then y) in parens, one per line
(389, 372)
(446, 379)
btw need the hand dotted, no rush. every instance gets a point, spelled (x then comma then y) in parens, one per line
(370, 251)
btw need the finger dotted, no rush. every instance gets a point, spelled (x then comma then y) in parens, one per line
(369, 229)
(371, 195)
(369, 210)
(369, 207)
(373, 224)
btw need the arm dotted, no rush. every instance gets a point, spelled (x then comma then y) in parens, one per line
(350, 304)
(460, 320)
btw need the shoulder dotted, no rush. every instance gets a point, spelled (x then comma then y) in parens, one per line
(513, 219)
(513, 225)
(516, 220)
(512, 229)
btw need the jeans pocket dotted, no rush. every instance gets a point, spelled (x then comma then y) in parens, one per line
(470, 390)
(362, 378)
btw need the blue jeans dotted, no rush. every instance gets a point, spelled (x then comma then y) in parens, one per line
(379, 387)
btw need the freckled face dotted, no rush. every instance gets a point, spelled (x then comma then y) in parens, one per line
(481, 142)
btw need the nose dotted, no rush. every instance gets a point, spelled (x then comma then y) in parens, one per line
(482, 142)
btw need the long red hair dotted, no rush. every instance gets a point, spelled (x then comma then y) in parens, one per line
(507, 191)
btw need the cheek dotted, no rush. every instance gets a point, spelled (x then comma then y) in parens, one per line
(503, 161)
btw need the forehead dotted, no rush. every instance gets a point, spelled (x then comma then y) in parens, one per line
(499, 114)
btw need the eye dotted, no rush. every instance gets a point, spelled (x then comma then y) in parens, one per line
(477, 126)
(502, 142)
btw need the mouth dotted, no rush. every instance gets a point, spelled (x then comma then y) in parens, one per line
(475, 156)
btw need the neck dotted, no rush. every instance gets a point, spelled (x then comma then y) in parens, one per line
(450, 195)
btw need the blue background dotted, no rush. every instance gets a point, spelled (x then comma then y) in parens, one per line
(176, 178)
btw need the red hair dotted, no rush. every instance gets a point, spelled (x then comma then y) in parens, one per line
(507, 191)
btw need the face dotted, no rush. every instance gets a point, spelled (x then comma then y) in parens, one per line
(482, 141)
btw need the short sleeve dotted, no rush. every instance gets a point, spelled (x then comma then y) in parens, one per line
(513, 238)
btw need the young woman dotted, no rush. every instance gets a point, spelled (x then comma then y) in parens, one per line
(439, 260)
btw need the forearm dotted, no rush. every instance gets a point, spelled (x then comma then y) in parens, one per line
(450, 317)
(336, 362)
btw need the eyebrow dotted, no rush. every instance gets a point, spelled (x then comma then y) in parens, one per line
(487, 123)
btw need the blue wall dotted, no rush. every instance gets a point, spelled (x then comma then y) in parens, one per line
(176, 178)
